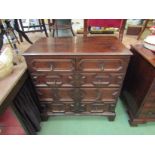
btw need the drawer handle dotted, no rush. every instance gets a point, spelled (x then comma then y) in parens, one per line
(101, 82)
(102, 66)
(34, 77)
(82, 77)
(54, 83)
(51, 67)
(70, 77)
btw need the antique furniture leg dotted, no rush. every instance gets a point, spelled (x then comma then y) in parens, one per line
(43, 23)
(49, 25)
(111, 118)
(85, 27)
(21, 33)
(40, 25)
(122, 29)
(72, 31)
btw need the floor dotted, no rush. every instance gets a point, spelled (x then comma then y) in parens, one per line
(91, 125)
(95, 125)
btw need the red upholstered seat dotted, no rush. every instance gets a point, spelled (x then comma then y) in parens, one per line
(116, 23)
(105, 22)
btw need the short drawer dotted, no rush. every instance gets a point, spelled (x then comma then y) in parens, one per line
(78, 94)
(54, 65)
(78, 79)
(102, 65)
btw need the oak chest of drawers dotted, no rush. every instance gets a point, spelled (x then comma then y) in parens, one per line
(80, 75)
(139, 86)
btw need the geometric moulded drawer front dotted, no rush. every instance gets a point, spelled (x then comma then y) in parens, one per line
(78, 94)
(102, 65)
(55, 65)
(67, 107)
(78, 79)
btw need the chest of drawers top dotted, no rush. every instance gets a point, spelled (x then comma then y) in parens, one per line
(95, 45)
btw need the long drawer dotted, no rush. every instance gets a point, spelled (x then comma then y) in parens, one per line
(102, 64)
(78, 94)
(77, 79)
(84, 107)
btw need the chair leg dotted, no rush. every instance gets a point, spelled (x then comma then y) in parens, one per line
(121, 30)
(85, 31)
(40, 25)
(43, 23)
(72, 31)
(49, 25)
(16, 37)
(53, 32)
(9, 40)
(121, 35)
(57, 32)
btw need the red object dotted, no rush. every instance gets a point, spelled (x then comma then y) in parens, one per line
(9, 124)
(105, 22)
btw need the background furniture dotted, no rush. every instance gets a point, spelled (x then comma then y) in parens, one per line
(139, 86)
(7, 30)
(78, 75)
(20, 32)
(41, 27)
(144, 27)
(19, 106)
(116, 23)
(134, 29)
(60, 24)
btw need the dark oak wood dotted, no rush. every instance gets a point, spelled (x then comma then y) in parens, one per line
(81, 75)
(78, 46)
(139, 86)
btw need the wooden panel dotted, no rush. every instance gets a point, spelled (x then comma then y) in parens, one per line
(140, 86)
(55, 65)
(89, 107)
(82, 94)
(95, 45)
(78, 79)
(102, 65)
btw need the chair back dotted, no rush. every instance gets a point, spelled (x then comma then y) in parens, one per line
(116, 23)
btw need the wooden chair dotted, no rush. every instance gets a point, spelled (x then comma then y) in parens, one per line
(41, 26)
(116, 23)
(8, 31)
(60, 24)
